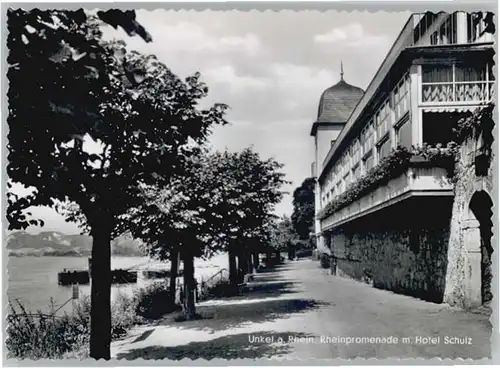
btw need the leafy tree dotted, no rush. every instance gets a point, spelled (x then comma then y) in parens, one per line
(173, 220)
(284, 236)
(303, 208)
(252, 190)
(224, 201)
(70, 90)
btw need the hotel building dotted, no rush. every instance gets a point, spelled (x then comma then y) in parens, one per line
(397, 236)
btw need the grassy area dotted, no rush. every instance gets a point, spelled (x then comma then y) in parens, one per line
(42, 336)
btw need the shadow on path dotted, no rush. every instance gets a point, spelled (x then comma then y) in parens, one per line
(239, 346)
(222, 317)
(257, 290)
(143, 336)
(269, 276)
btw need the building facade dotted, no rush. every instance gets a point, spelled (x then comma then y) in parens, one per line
(387, 213)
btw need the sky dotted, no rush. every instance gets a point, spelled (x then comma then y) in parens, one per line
(270, 68)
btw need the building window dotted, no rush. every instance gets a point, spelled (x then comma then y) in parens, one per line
(403, 134)
(437, 127)
(402, 98)
(368, 162)
(355, 152)
(382, 119)
(367, 138)
(357, 172)
(447, 33)
(457, 83)
(384, 149)
(425, 21)
(473, 83)
(347, 181)
(434, 38)
(345, 164)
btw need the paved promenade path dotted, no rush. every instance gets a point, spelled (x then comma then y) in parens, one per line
(298, 310)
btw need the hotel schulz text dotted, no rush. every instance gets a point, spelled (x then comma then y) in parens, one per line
(344, 340)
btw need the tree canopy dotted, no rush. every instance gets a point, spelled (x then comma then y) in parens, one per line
(93, 124)
(303, 208)
(220, 198)
(130, 107)
(283, 234)
(222, 202)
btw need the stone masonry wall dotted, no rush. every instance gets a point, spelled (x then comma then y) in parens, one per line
(461, 289)
(403, 249)
(430, 248)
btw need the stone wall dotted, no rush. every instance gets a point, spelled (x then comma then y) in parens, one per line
(402, 249)
(433, 248)
(466, 261)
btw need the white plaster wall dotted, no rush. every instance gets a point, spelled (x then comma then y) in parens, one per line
(325, 136)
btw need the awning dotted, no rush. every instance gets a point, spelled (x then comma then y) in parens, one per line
(448, 108)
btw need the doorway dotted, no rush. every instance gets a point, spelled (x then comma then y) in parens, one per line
(481, 207)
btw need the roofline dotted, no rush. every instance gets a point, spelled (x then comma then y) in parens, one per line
(316, 124)
(364, 101)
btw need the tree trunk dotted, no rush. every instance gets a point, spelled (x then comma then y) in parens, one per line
(242, 265)
(249, 264)
(256, 261)
(174, 270)
(233, 269)
(189, 287)
(100, 292)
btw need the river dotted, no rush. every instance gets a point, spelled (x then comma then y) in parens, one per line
(33, 280)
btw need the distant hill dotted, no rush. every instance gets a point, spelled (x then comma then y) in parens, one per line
(54, 243)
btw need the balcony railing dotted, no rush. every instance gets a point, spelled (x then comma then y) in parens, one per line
(459, 92)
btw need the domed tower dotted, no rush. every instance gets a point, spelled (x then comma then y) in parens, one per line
(335, 106)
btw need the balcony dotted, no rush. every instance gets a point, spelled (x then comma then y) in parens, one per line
(478, 92)
(419, 181)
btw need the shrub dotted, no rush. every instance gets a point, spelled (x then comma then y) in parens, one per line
(154, 301)
(123, 315)
(221, 289)
(41, 336)
(304, 253)
(36, 336)
(324, 260)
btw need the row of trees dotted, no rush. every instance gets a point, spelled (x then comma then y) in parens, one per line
(223, 202)
(294, 233)
(146, 170)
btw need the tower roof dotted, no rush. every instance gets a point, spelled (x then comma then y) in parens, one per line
(337, 102)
